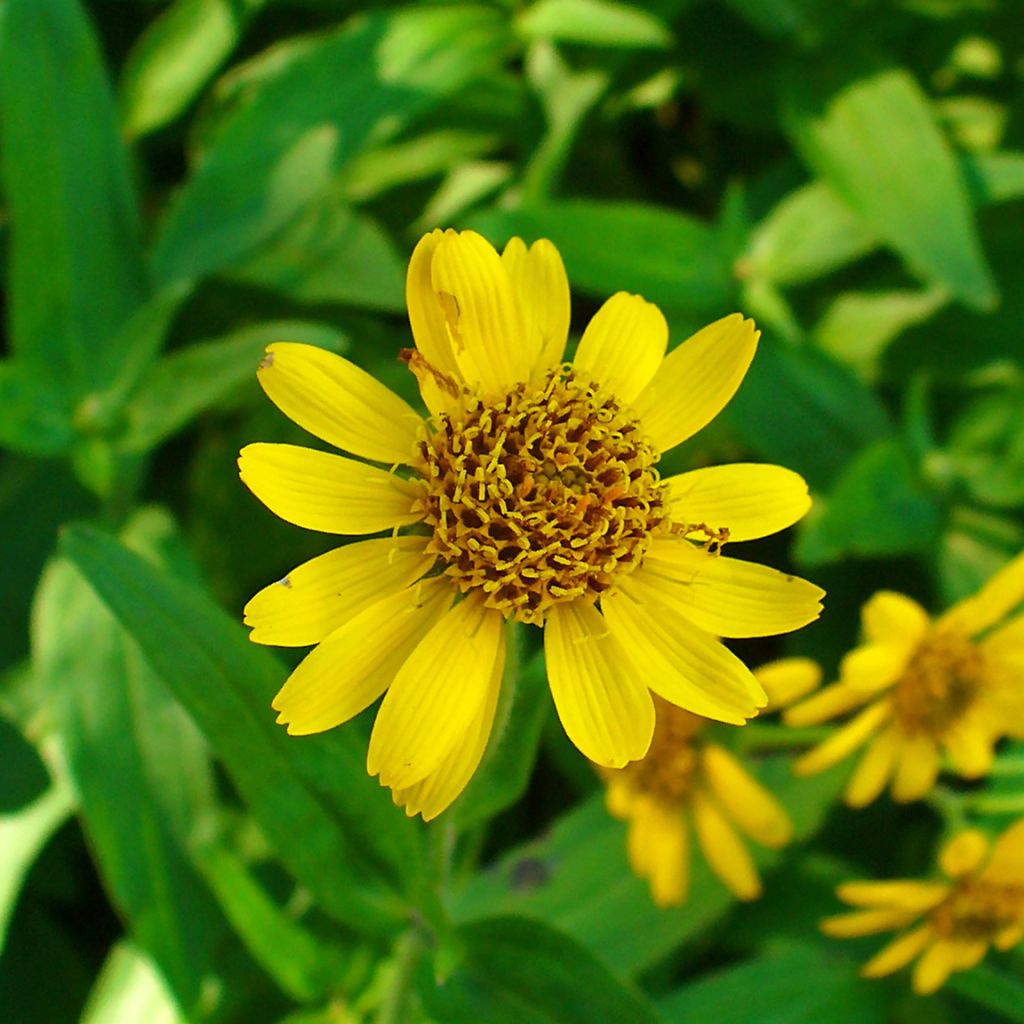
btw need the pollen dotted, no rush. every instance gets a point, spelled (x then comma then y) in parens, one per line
(543, 496)
(942, 680)
(977, 910)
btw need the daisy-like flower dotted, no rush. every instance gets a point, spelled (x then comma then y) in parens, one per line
(529, 494)
(952, 923)
(687, 779)
(924, 687)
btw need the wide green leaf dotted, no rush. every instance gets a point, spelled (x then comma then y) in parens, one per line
(283, 146)
(876, 142)
(129, 990)
(332, 826)
(668, 257)
(517, 971)
(76, 270)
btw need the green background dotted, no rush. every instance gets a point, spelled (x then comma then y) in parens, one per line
(183, 183)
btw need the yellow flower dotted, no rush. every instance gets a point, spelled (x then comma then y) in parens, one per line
(955, 922)
(686, 777)
(532, 495)
(924, 687)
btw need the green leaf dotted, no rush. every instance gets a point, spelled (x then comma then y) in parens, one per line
(794, 985)
(34, 419)
(129, 990)
(878, 507)
(994, 177)
(332, 97)
(670, 258)
(992, 989)
(176, 56)
(200, 377)
(122, 734)
(809, 234)
(875, 141)
(332, 826)
(594, 23)
(973, 549)
(330, 254)
(517, 971)
(24, 775)
(23, 835)
(576, 878)
(508, 761)
(76, 271)
(799, 408)
(986, 449)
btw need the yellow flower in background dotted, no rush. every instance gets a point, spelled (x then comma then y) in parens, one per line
(687, 779)
(954, 685)
(955, 922)
(531, 494)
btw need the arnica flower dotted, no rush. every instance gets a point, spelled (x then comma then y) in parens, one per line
(954, 685)
(686, 779)
(951, 924)
(529, 494)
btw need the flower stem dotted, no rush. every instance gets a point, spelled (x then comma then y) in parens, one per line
(394, 1008)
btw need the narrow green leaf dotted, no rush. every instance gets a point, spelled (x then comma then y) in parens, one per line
(878, 507)
(330, 254)
(876, 142)
(330, 99)
(801, 409)
(200, 377)
(129, 990)
(518, 971)
(76, 270)
(331, 824)
(594, 23)
(23, 835)
(176, 56)
(670, 258)
(34, 417)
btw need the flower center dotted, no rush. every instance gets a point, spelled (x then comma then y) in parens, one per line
(978, 910)
(941, 682)
(669, 770)
(544, 496)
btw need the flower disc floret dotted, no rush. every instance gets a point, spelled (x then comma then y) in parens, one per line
(541, 497)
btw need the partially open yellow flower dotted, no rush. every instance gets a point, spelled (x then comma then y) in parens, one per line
(686, 778)
(953, 685)
(955, 922)
(530, 494)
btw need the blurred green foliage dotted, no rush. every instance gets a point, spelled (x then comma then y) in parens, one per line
(185, 181)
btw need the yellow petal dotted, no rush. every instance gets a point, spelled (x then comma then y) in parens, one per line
(1006, 866)
(606, 711)
(874, 667)
(787, 680)
(1007, 938)
(745, 800)
(724, 851)
(669, 863)
(325, 592)
(892, 618)
(426, 317)
(679, 662)
(747, 499)
(964, 853)
(1000, 596)
(619, 797)
(826, 704)
(339, 403)
(351, 668)
(542, 292)
(482, 317)
(970, 748)
(873, 771)
(1008, 639)
(917, 768)
(866, 922)
(436, 695)
(325, 492)
(640, 837)
(898, 953)
(916, 897)
(696, 380)
(725, 596)
(439, 790)
(936, 964)
(623, 345)
(843, 742)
